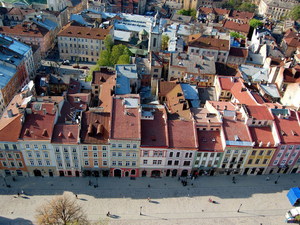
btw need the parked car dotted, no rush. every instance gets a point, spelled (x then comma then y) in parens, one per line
(84, 67)
(76, 66)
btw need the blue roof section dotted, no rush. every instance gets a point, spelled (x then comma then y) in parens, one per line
(6, 73)
(239, 143)
(294, 196)
(79, 19)
(191, 93)
(48, 24)
(123, 85)
(280, 112)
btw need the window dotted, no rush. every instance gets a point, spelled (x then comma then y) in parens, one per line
(228, 151)
(46, 155)
(294, 154)
(31, 162)
(145, 153)
(74, 150)
(127, 163)
(65, 149)
(186, 154)
(160, 153)
(9, 155)
(14, 147)
(128, 146)
(95, 162)
(178, 154)
(12, 164)
(257, 161)
(133, 163)
(171, 154)
(291, 147)
(119, 145)
(265, 161)
(40, 162)
(191, 154)
(104, 154)
(159, 162)
(155, 153)
(145, 162)
(104, 163)
(287, 155)
(134, 146)
(35, 146)
(75, 157)
(114, 163)
(290, 162)
(95, 154)
(244, 151)
(38, 155)
(95, 148)
(44, 146)
(104, 148)
(27, 146)
(120, 163)
(113, 145)
(154, 162)
(261, 152)
(283, 162)
(186, 163)
(48, 163)
(56, 149)
(269, 152)
(236, 151)
(119, 154)
(67, 157)
(134, 155)
(176, 163)
(279, 154)
(114, 154)
(20, 164)
(85, 148)
(250, 161)
(282, 147)
(6, 146)
(128, 154)
(85, 154)
(1, 155)
(253, 152)
(275, 162)
(86, 162)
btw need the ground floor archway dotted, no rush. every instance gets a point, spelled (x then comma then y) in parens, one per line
(37, 173)
(155, 173)
(174, 173)
(144, 173)
(184, 173)
(117, 173)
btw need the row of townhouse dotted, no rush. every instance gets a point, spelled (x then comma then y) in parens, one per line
(52, 136)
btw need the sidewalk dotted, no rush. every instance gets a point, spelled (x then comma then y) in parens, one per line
(262, 201)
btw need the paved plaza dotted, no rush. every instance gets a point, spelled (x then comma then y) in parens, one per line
(260, 201)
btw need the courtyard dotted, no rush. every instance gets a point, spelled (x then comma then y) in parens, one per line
(259, 201)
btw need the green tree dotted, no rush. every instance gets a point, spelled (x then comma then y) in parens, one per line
(90, 75)
(247, 6)
(62, 210)
(295, 13)
(237, 35)
(116, 52)
(183, 12)
(193, 13)
(124, 59)
(255, 23)
(105, 58)
(164, 41)
(108, 42)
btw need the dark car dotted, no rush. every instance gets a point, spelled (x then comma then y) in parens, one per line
(76, 66)
(84, 67)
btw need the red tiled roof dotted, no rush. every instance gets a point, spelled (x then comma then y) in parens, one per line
(180, 139)
(216, 11)
(209, 141)
(235, 128)
(18, 11)
(262, 135)
(65, 134)
(241, 15)
(165, 87)
(259, 112)
(155, 132)
(257, 97)
(231, 25)
(10, 129)
(125, 122)
(209, 43)
(221, 106)
(95, 127)
(84, 32)
(74, 87)
(100, 77)
(39, 124)
(238, 52)
(226, 83)
(25, 29)
(105, 96)
(79, 101)
(242, 94)
(288, 129)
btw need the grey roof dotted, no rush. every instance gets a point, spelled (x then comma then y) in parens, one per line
(254, 73)
(120, 35)
(281, 4)
(191, 93)
(271, 90)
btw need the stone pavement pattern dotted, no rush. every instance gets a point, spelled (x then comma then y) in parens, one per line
(263, 202)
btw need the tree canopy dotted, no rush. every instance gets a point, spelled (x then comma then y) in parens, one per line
(190, 12)
(255, 23)
(295, 13)
(108, 42)
(61, 210)
(164, 41)
(240, 5)
(237, 35)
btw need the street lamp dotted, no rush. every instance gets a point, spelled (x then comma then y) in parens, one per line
(239, 208)
(141, 210)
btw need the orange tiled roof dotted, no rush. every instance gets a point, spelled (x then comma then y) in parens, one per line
(262, 135)
(235, 128)
(259, 112)
(226, 83)
(209, 43)
(210, 141)
(25, 29)
(65, 134)
(231, 25)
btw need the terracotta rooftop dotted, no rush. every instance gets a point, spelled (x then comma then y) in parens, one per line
(10, 128)
(262, 136)
(291, 75)
(79, 101)
(84, 32)
(257, 97)
(238, 27)
(238, 52)
(39, 124)
(74, 86)
(288, 129)
(210, 141)
(242, 94)
(226, 83)
(209, 43)
(126, 118)
(95, 127)
(179, 139)
(203, 116)
(25, 29)
(65, 134)
(259, 112)
(178, 106)
(105, 95)
(236, 130)
(155, 132)
(100, 77)
(165, 87)
(235, 14)
(216, 11)
(221, 106)
(20, 11)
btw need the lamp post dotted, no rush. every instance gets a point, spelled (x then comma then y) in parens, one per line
(239, 208)
(141, 210)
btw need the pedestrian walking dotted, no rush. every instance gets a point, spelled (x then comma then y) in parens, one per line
(76, 196)
(18, 194)
(267, 178)
(149, 199)
(22, 192)
(108, 214)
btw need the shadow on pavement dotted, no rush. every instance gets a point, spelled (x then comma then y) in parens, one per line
(18, 221)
